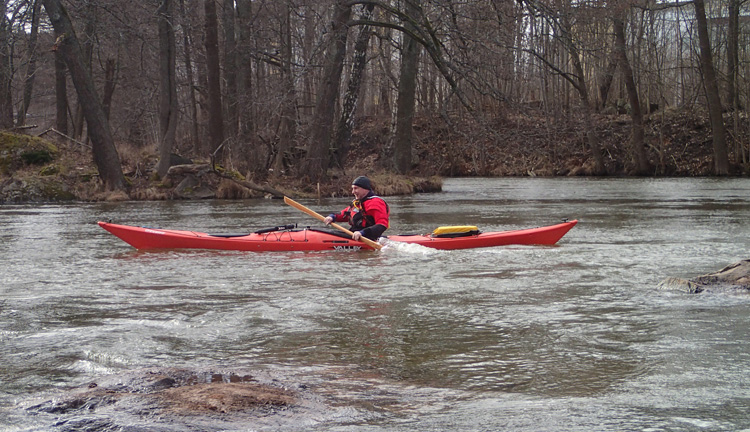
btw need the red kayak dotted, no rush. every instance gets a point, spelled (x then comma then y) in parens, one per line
(290, 238)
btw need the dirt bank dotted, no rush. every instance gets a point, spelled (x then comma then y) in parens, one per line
(678, 144)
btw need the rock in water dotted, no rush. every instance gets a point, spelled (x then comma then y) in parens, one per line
(734, 277)
(172, 399)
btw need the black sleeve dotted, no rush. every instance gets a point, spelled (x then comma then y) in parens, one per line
(373, 232)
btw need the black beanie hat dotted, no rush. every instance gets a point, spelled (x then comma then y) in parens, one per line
(362, 182)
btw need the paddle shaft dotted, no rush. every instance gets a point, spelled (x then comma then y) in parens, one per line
(322, 218)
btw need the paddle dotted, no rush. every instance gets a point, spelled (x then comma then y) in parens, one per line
(321, 218)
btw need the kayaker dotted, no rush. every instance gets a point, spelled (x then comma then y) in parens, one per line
(368, 214)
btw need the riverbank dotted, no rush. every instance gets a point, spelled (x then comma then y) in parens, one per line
(678, 144)
(37, 170)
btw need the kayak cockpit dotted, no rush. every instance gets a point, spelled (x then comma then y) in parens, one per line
(283, 228)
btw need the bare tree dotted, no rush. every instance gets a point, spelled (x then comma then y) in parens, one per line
(230, 69)
(346, 122)
(560, 20)
(103, 146)
(287, 120)
(6, 69)
(279, 65)
(607, 78)
(87, 49)
(189, 75)
(28, 83)
(733, 49)
(168, 108)
(637, 146)
(245, 115)
(317, 161)
(733, 62)
(61, 93)
(110, 82)
(213, 69)
(721, 158)
(402, 144)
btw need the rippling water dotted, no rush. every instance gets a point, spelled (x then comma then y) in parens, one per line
(564, 338)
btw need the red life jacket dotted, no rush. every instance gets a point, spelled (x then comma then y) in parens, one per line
(362, 213)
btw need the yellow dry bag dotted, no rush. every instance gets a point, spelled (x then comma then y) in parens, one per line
(455, 231)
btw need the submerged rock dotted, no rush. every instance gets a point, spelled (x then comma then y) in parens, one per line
(734, 277)
(177, 399)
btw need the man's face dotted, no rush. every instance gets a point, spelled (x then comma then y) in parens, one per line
(359, 192)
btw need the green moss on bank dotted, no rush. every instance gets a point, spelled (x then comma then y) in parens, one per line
(17, 151)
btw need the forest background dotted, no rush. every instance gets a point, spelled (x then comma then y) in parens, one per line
(163, 99)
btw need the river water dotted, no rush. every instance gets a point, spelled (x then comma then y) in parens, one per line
(575, 337)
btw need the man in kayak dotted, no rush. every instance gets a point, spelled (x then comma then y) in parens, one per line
(368, 214)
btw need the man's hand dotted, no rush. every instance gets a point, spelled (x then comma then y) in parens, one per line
(328, 220)
(356, 235)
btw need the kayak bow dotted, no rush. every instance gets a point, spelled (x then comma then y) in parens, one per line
(543, 236)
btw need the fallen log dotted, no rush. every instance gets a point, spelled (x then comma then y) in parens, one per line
(199, 170)
(251, 185)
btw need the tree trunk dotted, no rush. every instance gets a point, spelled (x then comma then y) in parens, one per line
(110, 82)
(61, 94)
(581, 87)
(168, 109)
(87, 52)
(192, 99)
(28, 82)
(103, 146)
(733, 59)
(287, 122)
(640, 160)
(316, 164)
(721, 158)
(346, 122)
(245, 79)
(308, 48)
(385, 58)
(407, 83)
(593, 143)
(606, 83)
(245, 101)
(6, 72)
(230, 70)
(213, 74)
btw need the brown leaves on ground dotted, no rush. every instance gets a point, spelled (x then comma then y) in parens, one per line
(678, 143)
